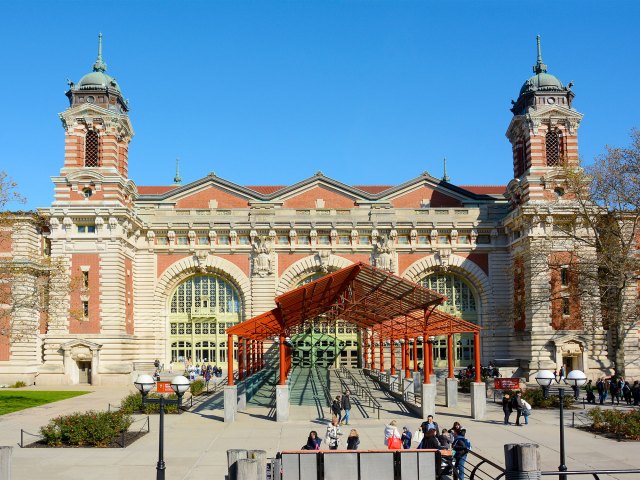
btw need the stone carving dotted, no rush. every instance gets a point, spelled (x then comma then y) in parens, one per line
(201, 260)
(442, 258)
(262, 256)
(384, 254)
(322, 258)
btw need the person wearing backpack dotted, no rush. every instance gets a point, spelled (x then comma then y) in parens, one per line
(336, 408)
(526, 411)
(346, 406)
(461, 447)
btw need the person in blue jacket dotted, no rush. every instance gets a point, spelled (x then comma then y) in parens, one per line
(406, 438)
(461, 447)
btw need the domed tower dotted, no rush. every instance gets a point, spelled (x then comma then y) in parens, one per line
(97, 136)
(544, 136)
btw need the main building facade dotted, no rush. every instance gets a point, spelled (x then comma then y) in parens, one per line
(160, 272)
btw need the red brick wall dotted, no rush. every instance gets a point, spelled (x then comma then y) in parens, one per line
(480, 259)
(224, 199)
(285, 260)
(414, 198)
(332, 199)
(128, 285)
(573, 321)
(76, 323)
(164, 261)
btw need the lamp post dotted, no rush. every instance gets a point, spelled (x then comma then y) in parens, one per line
(180, 385)
(575, 380)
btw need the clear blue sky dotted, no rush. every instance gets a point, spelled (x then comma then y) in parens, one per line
(269, 92)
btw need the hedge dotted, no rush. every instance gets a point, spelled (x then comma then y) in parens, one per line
(535, 397)
(132, 403)
(92, 429)
(617, 422)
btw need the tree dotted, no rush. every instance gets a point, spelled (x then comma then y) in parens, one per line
(582, 251)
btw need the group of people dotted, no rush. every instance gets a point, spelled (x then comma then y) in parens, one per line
(517, 403)
(617, 387)
(342, 404)
(332, 438)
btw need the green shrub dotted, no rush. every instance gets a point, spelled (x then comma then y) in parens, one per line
(535, 397)
(18, 385)
(196, 387)
(94, 429)
(617, 422)
(132, 403)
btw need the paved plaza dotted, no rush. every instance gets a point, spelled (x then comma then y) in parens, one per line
(196, 441)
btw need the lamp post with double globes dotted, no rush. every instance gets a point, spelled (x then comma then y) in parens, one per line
(575, 380)
(180, 385)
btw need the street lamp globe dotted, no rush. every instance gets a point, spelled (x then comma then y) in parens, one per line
(180, 385)
(576, 378)
(144, 383)
(545, 378)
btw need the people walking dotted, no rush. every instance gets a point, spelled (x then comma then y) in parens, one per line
(406, 438)
(346, 406)
(507, 408)
(353, 440)
(313, 442)
(461, 447)
(526, 411)
(336, 408)
(614, 390)
(391, 431)
(518, 405)
(591, 398)
(333, 434)
(601, 390)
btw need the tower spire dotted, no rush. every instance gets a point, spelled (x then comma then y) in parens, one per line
(177, 180)
(445, 177)
(539, 67)
(99, 66)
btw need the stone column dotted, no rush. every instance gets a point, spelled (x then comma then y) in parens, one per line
(522, 461)
(230, 403)
(282, 403)
(451, 392)
(428, 399)
(5, 462)
(478, 400)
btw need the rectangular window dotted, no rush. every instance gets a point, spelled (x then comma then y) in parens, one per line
(365, 240)
(344, 240)
(203, 240)
(85, 309)
(223, 240)
(403, 240)
(484, 239)
(283, 240)
(564, 276)
(162, 241)
(463, 239)
(86, 229)
(324, 240)
(303, 240)
(443, 238)
(566, 309)
(183, 241)
(85, 279)
(423, 239)
(244, 240)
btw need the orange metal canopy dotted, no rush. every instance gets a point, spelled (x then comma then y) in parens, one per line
(360, 294)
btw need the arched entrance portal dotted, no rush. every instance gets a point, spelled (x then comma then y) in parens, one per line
(319, 344)
(201, 309)
(462, 303)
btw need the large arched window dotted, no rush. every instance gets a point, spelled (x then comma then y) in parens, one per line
(200, 311)
(91, 149)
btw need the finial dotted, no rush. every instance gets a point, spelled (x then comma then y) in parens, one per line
(177, 180)
(99, 66)
(539, 67)
(445, 177)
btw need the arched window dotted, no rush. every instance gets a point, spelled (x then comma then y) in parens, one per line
(553, 148)
(460, 298)
(91, 149)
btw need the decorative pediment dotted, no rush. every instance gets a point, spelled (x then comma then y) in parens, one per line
(79, 342)
(85, 113)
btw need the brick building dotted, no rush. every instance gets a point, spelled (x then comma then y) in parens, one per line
(160, 272)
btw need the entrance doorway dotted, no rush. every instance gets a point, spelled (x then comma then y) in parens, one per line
(326, 345)
(84, 372)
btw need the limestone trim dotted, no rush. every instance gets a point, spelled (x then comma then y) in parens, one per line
(573, 346)
(307, 266)
(179, 271)
(456, 264)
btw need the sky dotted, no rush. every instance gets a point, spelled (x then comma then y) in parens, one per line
(269, 92)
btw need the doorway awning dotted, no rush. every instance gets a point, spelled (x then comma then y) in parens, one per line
(362, 295)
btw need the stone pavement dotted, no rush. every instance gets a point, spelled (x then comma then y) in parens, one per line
(196, 442)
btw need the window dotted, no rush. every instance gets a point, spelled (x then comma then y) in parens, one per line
(91, 147)
(162, 241)
(324, 240)
(484, 239)
(463, 239)
(244, 240)
(85, 309)
(364, 240)
(86, 229)
(403, 240)
(283, 240)
(183, 241)
(303, 240)
(552, 144)
(343, 240)
(566, 309)
(223, 240)
(203, 240)
(443, 238)
(564, 276)
(87, 192)
(423, 239)
(85, 279)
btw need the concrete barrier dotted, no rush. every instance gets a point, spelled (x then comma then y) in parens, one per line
(340, 465)
(376, 464)
(5, 462)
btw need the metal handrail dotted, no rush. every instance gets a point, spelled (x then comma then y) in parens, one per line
(477, 469)
(327, 394)
(593, 473)
(366, 392)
